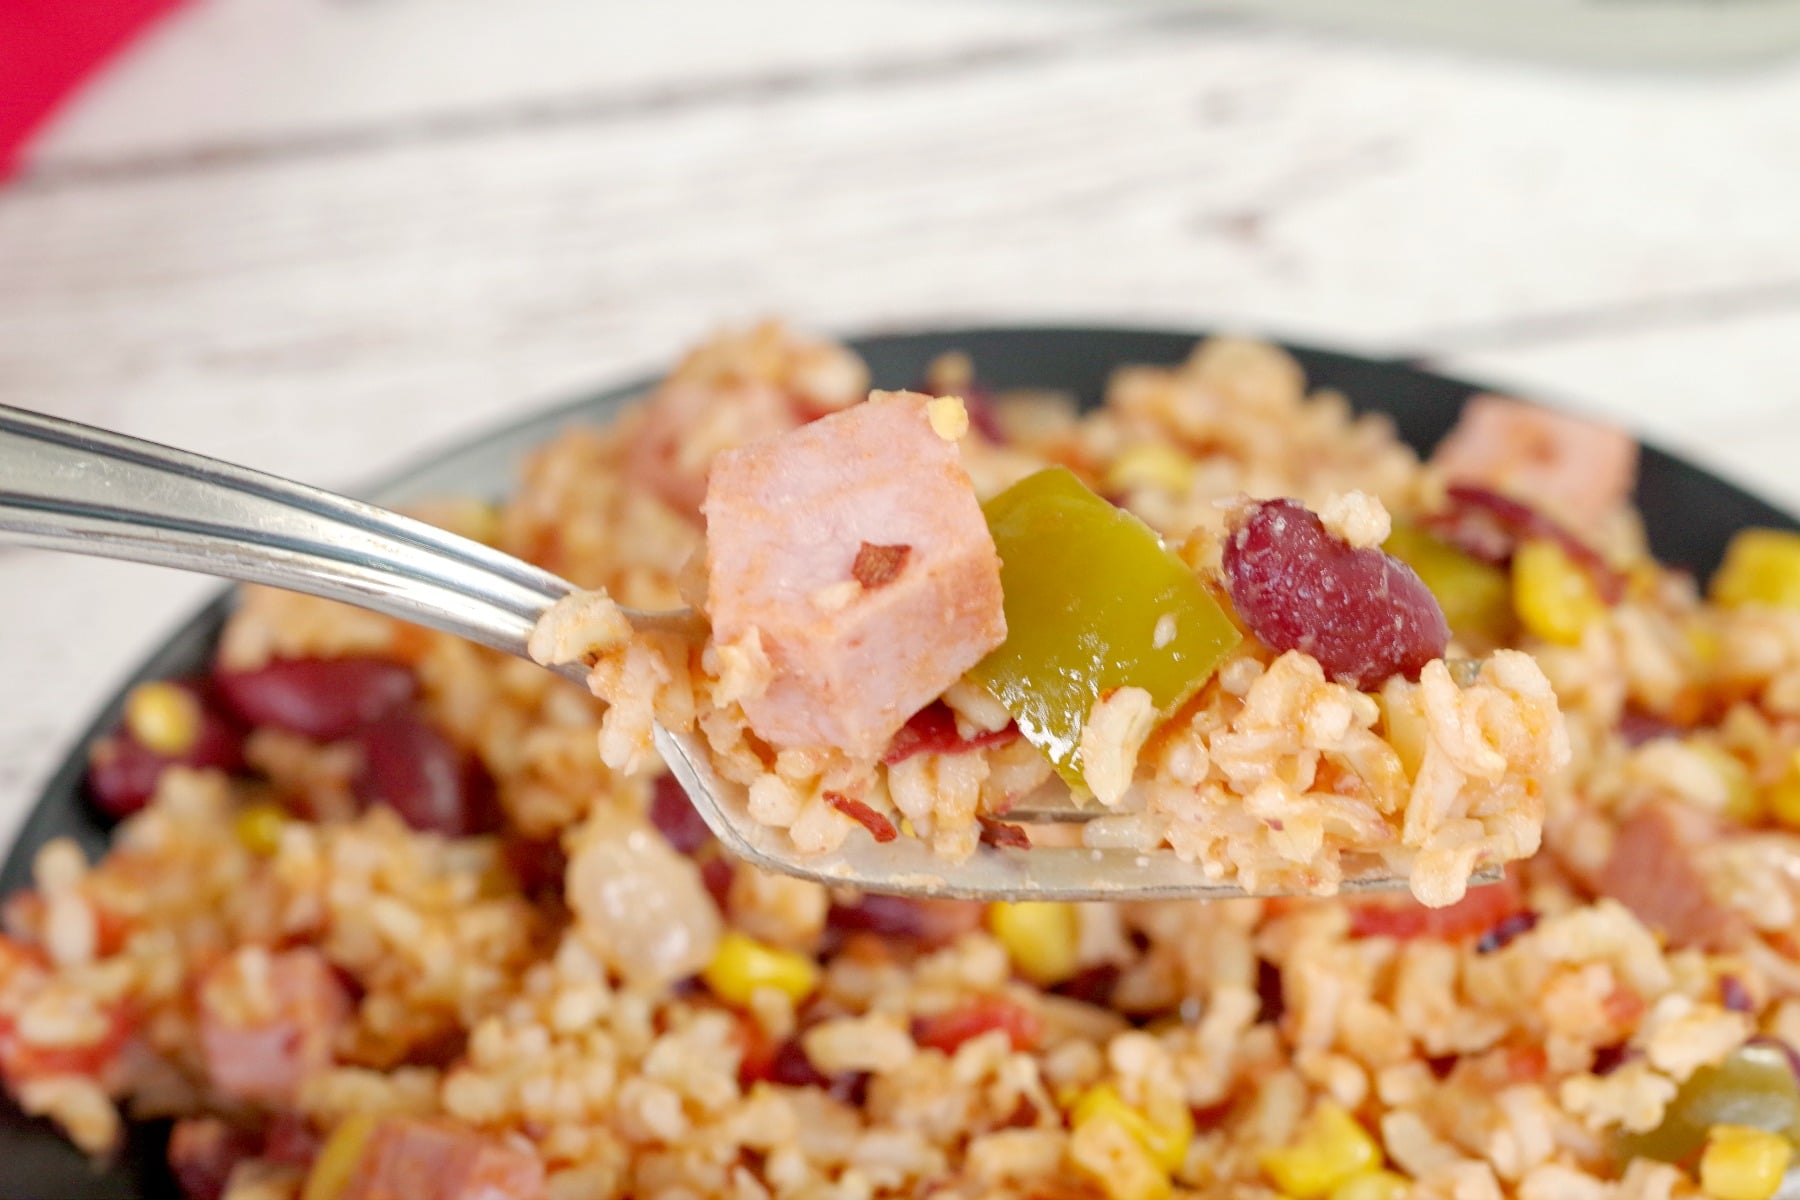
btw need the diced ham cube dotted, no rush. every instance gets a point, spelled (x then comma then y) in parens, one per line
(267, 1022)
(1578, 470)
(855, 650)
(1652, 872)
(686, 424)
(1480, 910)
(411, 1158)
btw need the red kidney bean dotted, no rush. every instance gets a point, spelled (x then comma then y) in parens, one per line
(123, 772)
(1637, 727)
(538, 864)
(290, 1141)
(322, 698)
(791, 1068)
(983, 416)
(1608, 1059)
(715, 875)
(1272, 999)
(787, 1065)
(414, 770)
(1489, 526)
(1363, 614)
(1092, 985)
(202, 1153)
(675, 818)
(928, 923)
(1505, 930)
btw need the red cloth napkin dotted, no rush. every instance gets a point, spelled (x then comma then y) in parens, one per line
(47, 47)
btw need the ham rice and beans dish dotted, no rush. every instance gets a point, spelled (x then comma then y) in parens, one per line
(389, 916)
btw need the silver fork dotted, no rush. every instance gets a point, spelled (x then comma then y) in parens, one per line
(71, 487)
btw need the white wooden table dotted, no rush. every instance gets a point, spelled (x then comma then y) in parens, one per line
(322, 236)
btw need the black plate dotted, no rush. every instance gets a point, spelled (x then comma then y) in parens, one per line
(1689, 513)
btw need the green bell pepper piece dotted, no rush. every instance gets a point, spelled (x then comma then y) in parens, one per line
(1086, 588)
(1753, 1086)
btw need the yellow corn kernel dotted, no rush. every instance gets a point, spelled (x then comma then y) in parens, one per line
(1166, 1135)
(1332, 1148)
(1475, 596)
(1762, 566)
(1740, 1163)
(1041, 936)
(1703, 642)
(1784, 796)
(337, 1158)
(1150, 465)
(1642, 578)
(1552, 595)
(1373, 1185)
(258, 827)
(741, 965)
(1107, 1151)
(1741, 800)
(163, 717)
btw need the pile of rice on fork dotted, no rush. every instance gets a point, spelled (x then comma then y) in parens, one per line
(387, 914)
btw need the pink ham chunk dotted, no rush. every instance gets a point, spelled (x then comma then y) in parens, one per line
(267, 1022)
(412, 1158)
(856, 549)
(1579, 471)
(1653, 872)
(686, 424)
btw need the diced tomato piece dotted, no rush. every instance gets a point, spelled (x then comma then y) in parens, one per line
(110, 931)
(1480, 909)
(879, 826)
(22, 1061)
(16, 955)
(946, 1031)
(1624, 1007)
(757, 1052)
(1526, 1062)
(932, 730)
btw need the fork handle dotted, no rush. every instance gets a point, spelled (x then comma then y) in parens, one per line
(66, 486)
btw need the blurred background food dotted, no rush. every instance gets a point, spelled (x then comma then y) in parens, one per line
(325, 236)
